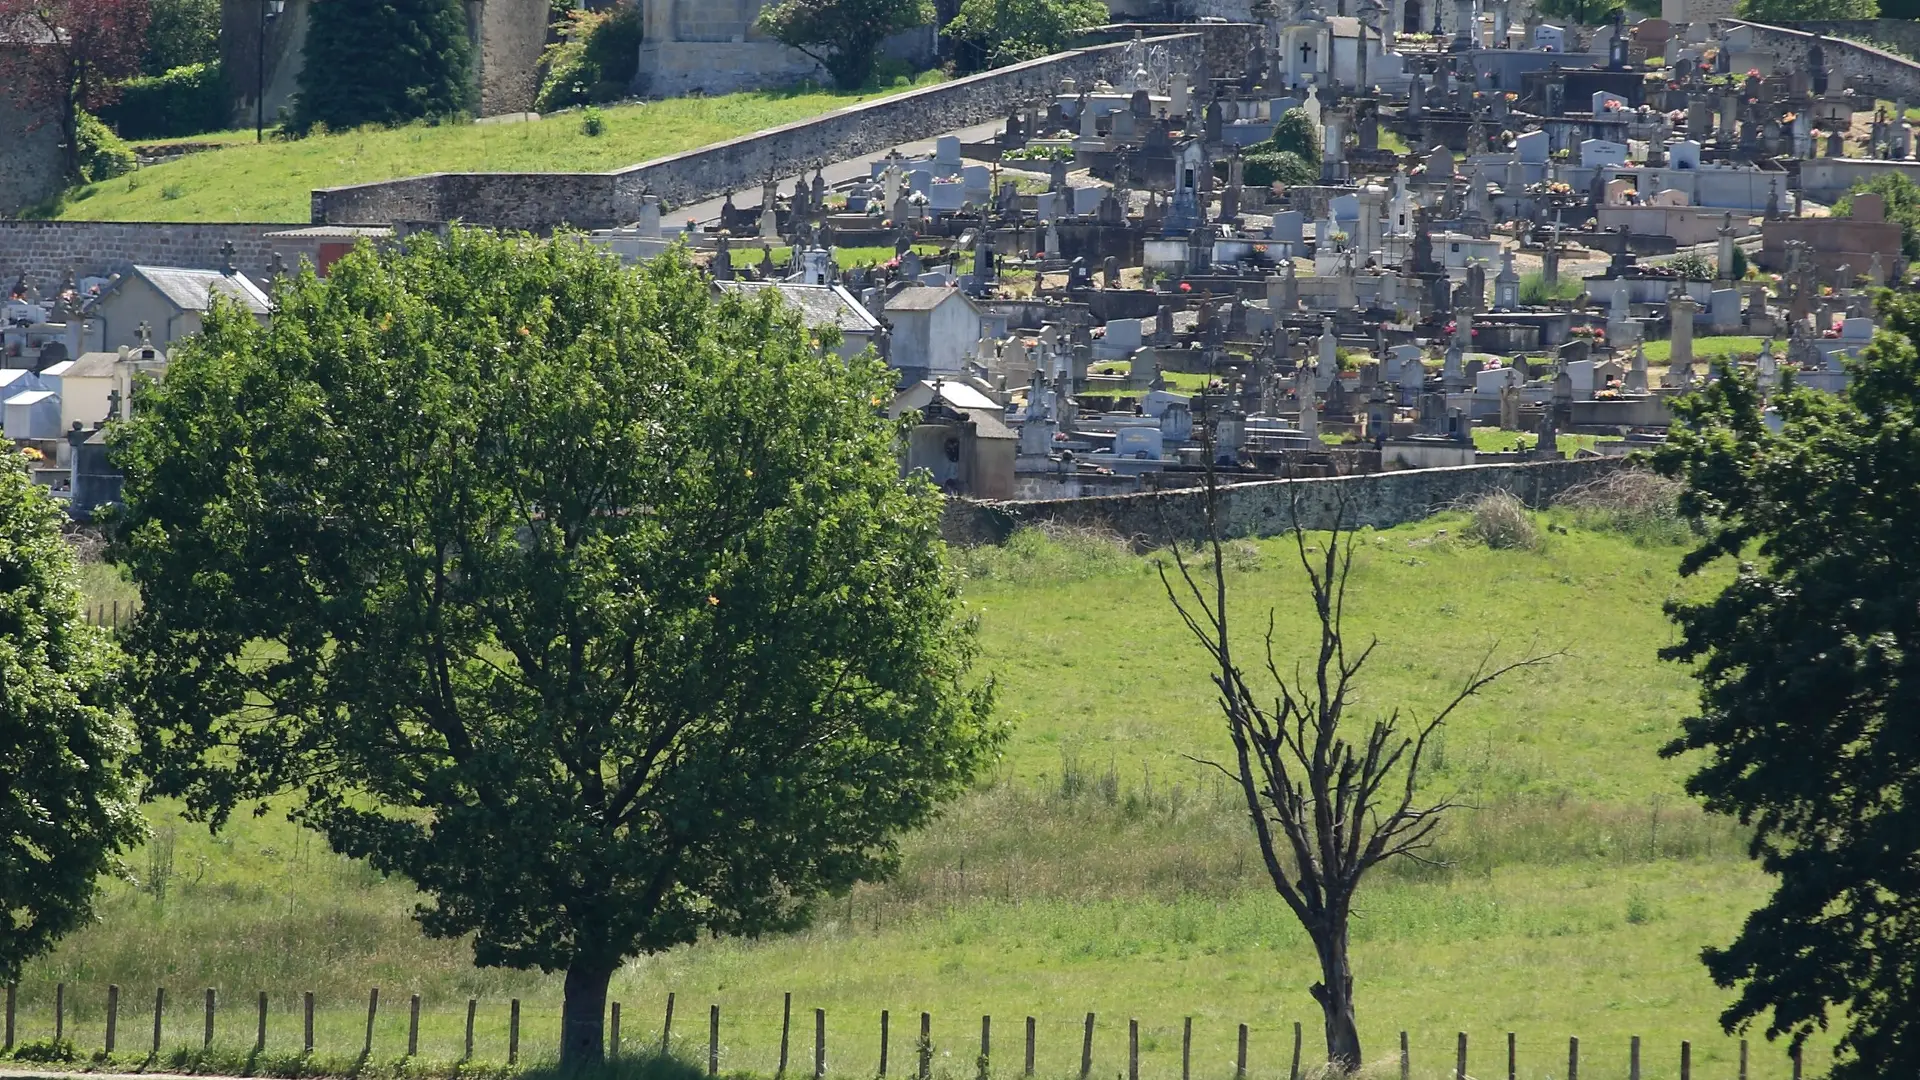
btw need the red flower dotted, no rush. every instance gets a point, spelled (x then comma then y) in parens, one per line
(1186, 287)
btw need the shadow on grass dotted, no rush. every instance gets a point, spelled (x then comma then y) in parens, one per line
(59, 1058)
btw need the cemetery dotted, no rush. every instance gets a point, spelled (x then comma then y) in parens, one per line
(1112, 287)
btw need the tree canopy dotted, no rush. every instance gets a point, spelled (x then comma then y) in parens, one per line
(383, 62)
(996, 32)
(66, 808)
(843, 35)
(1903, 205)
(1809, 671)
(592, 604)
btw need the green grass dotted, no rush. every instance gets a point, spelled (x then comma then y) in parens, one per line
(1706, 349)
(747, 253)
(1099, 867)
(1492, 440)
(272, 181)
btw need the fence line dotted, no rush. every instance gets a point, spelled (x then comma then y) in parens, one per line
(924, 1048)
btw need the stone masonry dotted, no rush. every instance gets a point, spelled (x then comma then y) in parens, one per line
(45, 250)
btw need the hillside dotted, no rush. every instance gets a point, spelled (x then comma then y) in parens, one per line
(243, 181)
(1101, 869)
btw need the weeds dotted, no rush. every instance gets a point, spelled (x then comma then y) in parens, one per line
(1502, 521)
(1048, 553)
(1635, 503)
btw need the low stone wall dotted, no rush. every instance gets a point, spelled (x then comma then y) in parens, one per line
(1267, 508)
(29, 156)
(1860, 67)
(45, 250)
(541, 202)
(1900, 34)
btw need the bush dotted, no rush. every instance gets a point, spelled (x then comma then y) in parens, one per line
(1738, 271)
(993, 33)
(593, 122)
(1903, 206)
(594, 60)
(1535, 292)
(1295, 131)
(1636, 503)
(1261, 168)
(185, 101)
(103, 155)
(1692, 267)
(1501, 520)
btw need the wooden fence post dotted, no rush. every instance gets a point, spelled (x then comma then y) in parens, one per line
(1460, 1059)
(513, 1031)
(59, 1012)
(986, 1047)
(413, 1025)
(113, 1015)
(1686, 1060)
(613, 1021)
(885, 1016)
(1512, 1057)
(12, 989)
(260, 1036)
(307, 1005)
(666, 1029)
(1294, 1074)
(1633, 1058)
(373, 1007)
(1240, 1057)
(1743, 1059)
(1573, 1058)
(1086, 1050)
(926, 1046)
(1030, 1042)
(159, 1010)
(819, 1043)
(713, 1039)
(1186, 1049)
(1406, 1058)
(786, 1022)
(206, 1032)
(1795, 1054)
(473, 1006)
(1133, 1049)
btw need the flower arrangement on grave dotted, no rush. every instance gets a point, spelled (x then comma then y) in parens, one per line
(32, 453)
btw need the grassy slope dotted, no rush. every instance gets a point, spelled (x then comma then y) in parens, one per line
(272, 182)
(1101, 870)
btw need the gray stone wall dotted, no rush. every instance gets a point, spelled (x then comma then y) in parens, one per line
(1858, 66)
(1902, 35)
(29, 160)
(1267, 508)
(508, 38)
(45, 250)
(543, 201)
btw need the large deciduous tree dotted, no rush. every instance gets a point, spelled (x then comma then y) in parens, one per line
(592, 604)
(66, 808)
(383, 62)
(1809, 670)
(1330, 795)
(997, 32)
(844, 36)
(67, 57)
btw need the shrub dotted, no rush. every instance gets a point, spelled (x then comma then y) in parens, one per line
(1903, 206)
(187, 100)
(1738, 271)
(992, 33)
(1692, 267)
(1535, 292)
(103, 155)
(1261, 168)
(1636, 503)
(594, 60)
(1501, 520)
(593, 122)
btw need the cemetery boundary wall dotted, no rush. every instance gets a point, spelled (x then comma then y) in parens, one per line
(46, 250)
(541, 202)
(1862, 67)
(1266, 508)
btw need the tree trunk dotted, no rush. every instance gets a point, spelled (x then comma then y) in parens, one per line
(583, 1028)
(1334, 992)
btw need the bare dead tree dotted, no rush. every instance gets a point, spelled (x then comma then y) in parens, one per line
(1330, 797)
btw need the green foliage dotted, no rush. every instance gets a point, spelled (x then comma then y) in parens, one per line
(181, 33)
(1903, 205)
(383, 62)
(1738, 271)
(102, 154)
(1581, 12)
(66, 807)
(594, 60)
(1535, 292)
(1791, 11)
(185, 100)
(842, 35)
(1501, 520)
(1692, 266)
(1809, 672)
(998, 32)
(593, 122)
(591, 604)
(1291, 155)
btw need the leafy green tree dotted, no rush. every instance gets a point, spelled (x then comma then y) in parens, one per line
(66, 807)
(1295, 132)
(1580, 12)
(593, 61)
(1809, 671)
(1789, 11)
(1291, 155)
(1903, 205)
(843, 35)
(383, 62)
(591, 604)
(999, 32)
(180, 33)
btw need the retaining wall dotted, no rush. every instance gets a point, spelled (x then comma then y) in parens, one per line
(45, 250)
(541, 202)
(1860, 67)
(1267, 508)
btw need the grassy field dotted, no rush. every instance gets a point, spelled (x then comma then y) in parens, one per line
(1706, 349)
(1099, 868)
(272, 181)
